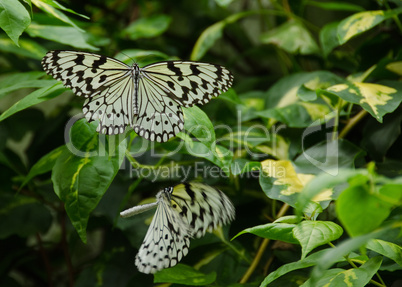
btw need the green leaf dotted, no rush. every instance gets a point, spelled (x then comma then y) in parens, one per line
(285, 92)
(301, 264)
(15, 81)
(292, 37)
(297, 115)
(324, 279)
(44, 164)
(322, 182)
(61, 34)
(27, 48)
(361, 22)
(199, 125)
(185, 275)
(356, 277)
(214, 32)
(376, 99)
(57, 5)
(148, 27)
(14, 18)
(329, 257)
(336, 6)
(388, 249)
(241, 165)
(328, 38)
(274, 231)
(36, 97)
(360, 210)
(220, 156)
(378, 138)
(51, 10)
(328, 156)
(279, 180)
(81, 178)
(312, 234)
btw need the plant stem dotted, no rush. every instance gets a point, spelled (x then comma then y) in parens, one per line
(261, 249)
(351, 123)
(65, 249)
(45, 259)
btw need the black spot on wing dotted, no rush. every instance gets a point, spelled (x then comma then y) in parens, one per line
(80, 59)
(174, 69)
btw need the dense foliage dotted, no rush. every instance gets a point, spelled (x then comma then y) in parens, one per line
(307, 143)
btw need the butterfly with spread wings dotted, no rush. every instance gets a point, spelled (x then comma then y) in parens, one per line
(184, 211)
(148, 99)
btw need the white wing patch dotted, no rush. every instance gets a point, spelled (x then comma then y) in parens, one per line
(148, 99)
(184, 211)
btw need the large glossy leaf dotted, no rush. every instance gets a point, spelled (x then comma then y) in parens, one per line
(361, 209)
(14, 19)
(356, 277)
(388, 249)
(329, 257)
(312, 234)
(376, 99)
(81, 178)
(279, 180)
(323, 182)
(199, 125)
(361, 22)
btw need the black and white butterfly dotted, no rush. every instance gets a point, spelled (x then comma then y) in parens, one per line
(148, 99)
(184, 211)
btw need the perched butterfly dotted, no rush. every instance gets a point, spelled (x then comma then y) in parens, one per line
(184, 211)
(148, 99)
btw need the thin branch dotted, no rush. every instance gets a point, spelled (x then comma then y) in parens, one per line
(66, 252)
(45, 259)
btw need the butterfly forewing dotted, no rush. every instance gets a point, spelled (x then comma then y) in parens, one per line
(189, 83)
(202, 206)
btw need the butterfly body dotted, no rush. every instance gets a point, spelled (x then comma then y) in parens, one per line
(184, 211)
(149, 99)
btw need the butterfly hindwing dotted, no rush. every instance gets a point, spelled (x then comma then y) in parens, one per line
(167, 239)
(159, 117)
